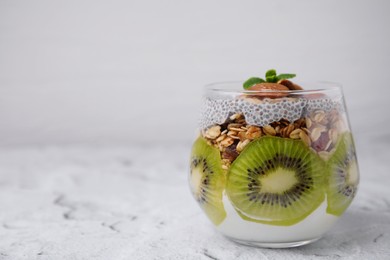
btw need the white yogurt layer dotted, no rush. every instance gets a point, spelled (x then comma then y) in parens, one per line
(313, 226)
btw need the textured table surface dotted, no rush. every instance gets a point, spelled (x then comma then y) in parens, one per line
(134, 203)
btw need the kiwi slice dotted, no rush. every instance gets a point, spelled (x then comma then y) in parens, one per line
(207, 179)
(276, 181)
(343, 176)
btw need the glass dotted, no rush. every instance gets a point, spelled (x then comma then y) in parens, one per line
(274, 168)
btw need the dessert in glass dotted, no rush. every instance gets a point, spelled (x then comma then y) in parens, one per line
(274, 164)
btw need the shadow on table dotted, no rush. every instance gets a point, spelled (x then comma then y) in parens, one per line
(356, 231)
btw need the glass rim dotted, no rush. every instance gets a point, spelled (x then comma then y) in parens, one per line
(326, 86)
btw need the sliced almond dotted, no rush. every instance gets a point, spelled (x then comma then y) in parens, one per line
(242, 135)
(227, 142)
(322, 127)
(219, 139)
(213, 132)
(269, 130)
(233, 125)
(324, 155)
(289, 129)
(235, 116)
(295, 134)
(253, 132)
(324, 121)
(319, 115)
(328, 145)
(285, 132)
(231, 133)
(237, 129)
(241, 145)
(305, 130)
(333, 136)
(305, 138)
(308, 122)
(277, 129)
(315, 134)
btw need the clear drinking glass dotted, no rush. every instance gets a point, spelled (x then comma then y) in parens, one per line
(274, 168)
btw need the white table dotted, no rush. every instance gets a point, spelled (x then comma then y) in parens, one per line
(134, 203)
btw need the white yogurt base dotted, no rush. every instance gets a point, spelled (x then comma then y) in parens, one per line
(313, 226)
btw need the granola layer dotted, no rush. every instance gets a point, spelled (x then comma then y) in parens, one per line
(318, 129)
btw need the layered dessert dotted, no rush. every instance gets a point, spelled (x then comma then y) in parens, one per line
(274, 163)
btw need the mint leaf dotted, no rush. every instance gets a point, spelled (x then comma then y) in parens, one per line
(271, 72)
(285, 76)
(270, 76)
(252, 81)
(272, 79)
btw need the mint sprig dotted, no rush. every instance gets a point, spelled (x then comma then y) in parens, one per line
(252, 81)
(270, 76)
(286, 76)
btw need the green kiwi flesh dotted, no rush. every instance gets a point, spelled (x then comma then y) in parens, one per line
(343, 176)
(276, 181)
(207, 179)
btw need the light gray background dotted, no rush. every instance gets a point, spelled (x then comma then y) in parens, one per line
(78, 79)
(131, 72)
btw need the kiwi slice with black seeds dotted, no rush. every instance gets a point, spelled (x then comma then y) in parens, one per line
(276, 181)
(343, 176)
(207, 179)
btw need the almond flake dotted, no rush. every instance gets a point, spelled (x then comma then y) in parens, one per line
(308, 122)
(305, 138)
(295, 134)
(213, 132)
(315, 134)
(227, 142)
(289, 129)
(237, 129)
(328, 145)
(235, 116)
(241, 145)
(333, 136)
(219, 139)
(319, 116)
(269, 130)
(253, 132)
(277, 129)
(230, 133)
(233, 125)
(324, 155)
